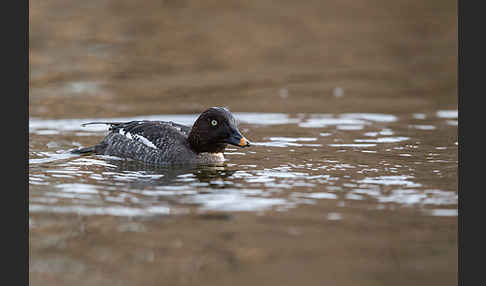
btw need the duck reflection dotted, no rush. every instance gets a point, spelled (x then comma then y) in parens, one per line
(146, 174)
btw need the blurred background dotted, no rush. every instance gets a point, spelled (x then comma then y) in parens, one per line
(353, 183)
(112, 58)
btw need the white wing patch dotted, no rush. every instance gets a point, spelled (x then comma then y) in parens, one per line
(137, 137)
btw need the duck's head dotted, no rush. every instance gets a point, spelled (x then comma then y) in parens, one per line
(213, 129)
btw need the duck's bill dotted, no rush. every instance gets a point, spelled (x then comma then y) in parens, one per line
(238, 140)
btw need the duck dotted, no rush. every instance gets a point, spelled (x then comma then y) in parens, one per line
(168, 143)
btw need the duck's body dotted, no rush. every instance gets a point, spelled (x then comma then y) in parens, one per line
(162, 143)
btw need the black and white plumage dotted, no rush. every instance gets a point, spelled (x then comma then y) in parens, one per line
(162, 143)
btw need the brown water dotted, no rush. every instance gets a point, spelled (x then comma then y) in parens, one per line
(352, 107)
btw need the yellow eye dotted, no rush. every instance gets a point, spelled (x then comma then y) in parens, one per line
(214, 122)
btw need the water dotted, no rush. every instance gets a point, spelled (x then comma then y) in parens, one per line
(378, 182)
(308, 182)
(382, 160)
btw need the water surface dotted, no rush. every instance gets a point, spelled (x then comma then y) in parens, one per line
(385, 160)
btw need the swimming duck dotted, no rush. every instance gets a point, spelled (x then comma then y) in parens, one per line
(162, 143)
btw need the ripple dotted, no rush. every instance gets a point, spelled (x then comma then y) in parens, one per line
(290, 139)
(50, 157)
(443, 212)
(422, 127)
(390, 180)
(376, 117)
(383, 140)
(78, 188)
(234, 200)
(113, 211)
(318, 195)
(447, 114)
(324, 121)
(352, 145)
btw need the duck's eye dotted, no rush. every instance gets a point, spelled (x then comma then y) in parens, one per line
(214, 122)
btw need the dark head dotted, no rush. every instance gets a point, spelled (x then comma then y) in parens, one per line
(213, 129)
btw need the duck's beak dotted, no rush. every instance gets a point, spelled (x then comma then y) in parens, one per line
(238, 140)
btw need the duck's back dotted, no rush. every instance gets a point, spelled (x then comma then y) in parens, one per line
(155, 142)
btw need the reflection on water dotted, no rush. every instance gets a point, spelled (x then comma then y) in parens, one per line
(383, 160)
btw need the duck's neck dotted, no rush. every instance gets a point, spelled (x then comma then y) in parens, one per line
(200, 145)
